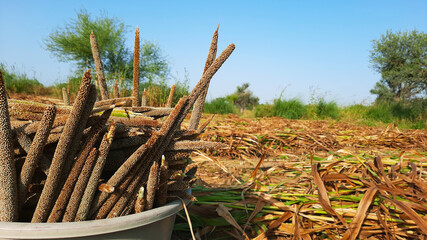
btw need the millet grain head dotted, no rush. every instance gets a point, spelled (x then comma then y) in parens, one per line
(79, 188)
(72, 177)
(135, 90)
(76, 144)
(50, 189)
(35, 152)
(152, 185)
(83, 210)
(162, 191)
(170, 98)
(198, 105)
(8, 186)
(98, 66)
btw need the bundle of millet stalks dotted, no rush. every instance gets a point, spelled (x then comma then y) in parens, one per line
(83, 162)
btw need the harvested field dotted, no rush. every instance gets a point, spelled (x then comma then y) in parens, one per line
(293, 179)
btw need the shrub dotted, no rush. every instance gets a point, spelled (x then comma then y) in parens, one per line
(219, 106)
(326, 109)
(291, 109)
(264, 110)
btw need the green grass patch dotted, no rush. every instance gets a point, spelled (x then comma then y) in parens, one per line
(291, 109)
(219, 106)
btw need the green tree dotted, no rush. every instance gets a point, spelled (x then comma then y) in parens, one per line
(401, 59)
(71, 43)
(243, 97)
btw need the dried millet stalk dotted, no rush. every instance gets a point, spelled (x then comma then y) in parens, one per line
(75, 145)
(72, 178)
(135, 91)
(170, 98)
(198, 105)
(54, 177)
(25, 142)
(144, 98)
(35, 107)
(8, 186)
(137, 121)
(79, 188)
(127, 195)
(35, 152)
(125, 170)
(112, 101)
(116, 89)
(98, 66)
(129, 142)
(65, 97)
(194, 145)
(83, 211)
(152, 185)
(162, 191)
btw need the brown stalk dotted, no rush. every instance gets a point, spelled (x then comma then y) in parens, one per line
(152, 185)
(58, 162)
(127, 195)
(144, 98)
(323, 194)
(98, 66)
(35, 107)
(116, 93)
(79, 188)
(83, 211)
(356, 223)
(162, 191)
(139, 155)
(170, 98)
(101, 211)
(187, 145)
(25, 142)
(75, 145)
(137, 121)
(8, 186)
(125, 170)
(64, 196)
(65, 97)
(31, 128)
(204, 81)
(112, 101)
(129, 142)
(35, 152)
(198, 106)
(135, 91)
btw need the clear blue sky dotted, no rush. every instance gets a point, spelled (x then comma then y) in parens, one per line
(298, 48)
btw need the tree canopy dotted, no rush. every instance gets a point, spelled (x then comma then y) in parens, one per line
(243, 97)
(401, 59)
(71, 43)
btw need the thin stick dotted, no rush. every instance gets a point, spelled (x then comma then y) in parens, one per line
(98, 66)
(35, 153)
(79, 188)
(170, 98)
(8, 186)
(83, 211)
(198, 106)
(50, 189)
(135, 92)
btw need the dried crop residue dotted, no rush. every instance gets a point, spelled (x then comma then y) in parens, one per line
(319, 180)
